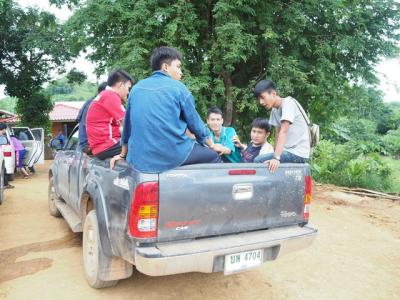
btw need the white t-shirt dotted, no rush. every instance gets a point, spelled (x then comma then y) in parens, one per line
(266, 149)
(298, 138)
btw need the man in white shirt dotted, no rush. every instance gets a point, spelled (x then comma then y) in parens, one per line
(292, 140)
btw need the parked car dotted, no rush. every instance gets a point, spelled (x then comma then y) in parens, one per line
(9, 155)
(33, 141)
(3, 142)
(197, 218)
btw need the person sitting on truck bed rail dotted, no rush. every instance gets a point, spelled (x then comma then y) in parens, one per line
(292, 140)
(160, 110)
(81, 119)
(223, 135)
(105, 115)
(260, 131)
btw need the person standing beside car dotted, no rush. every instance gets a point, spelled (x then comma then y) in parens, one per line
(19, 155)
(61, 137)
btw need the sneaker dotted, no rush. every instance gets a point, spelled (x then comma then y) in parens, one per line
(9, 186)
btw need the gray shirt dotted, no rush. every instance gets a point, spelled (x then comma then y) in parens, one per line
(298, 138)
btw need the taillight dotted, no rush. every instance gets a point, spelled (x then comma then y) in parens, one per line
(242, 172)
(7, 154)
(307, 198)
(144, 211)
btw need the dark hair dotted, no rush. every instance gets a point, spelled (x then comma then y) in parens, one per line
(102, 87)
(118, 76)
(3, 126)
(262, 124)
(162, 55)
(264, 86)
(214, 110)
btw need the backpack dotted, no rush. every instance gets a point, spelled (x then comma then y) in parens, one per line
(313, 129)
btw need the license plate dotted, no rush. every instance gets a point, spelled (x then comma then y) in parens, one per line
(242, 261)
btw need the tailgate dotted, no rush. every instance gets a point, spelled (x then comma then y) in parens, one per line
(215, 199)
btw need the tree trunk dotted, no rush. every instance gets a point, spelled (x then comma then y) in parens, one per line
(228, 118)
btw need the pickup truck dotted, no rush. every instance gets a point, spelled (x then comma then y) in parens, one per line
(197, 218)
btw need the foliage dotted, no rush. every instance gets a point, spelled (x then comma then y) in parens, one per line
(316, 50)
(75, 76)
(62, 90)
(8, 104)
(360, 132)
(346, 165)
(32, 45)
(392, 142)
(395, 166)
(34, 111)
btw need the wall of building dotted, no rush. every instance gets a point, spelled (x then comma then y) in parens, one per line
(66, 127)
(56, 127)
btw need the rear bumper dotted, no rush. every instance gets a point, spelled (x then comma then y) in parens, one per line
(9, 164)
(207, 255)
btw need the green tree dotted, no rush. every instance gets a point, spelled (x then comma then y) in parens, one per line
(32, 45)
(62, 90)
(75, 76)
(34, 111)
(314, 50)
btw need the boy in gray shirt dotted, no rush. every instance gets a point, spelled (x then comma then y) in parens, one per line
(292, 140)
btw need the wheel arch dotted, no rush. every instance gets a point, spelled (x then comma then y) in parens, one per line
(92, 198)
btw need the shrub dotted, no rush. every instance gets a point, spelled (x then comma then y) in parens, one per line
(392, 142)
(347, 165)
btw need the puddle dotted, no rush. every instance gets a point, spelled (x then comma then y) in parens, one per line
(11, 269)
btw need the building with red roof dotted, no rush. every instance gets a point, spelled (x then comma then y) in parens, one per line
(62, 117)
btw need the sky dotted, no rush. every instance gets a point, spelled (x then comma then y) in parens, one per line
(388, 71)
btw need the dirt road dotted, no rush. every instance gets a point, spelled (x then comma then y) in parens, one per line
(355, 256)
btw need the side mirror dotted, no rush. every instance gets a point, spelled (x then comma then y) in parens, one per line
(55, 144)
(3, 140)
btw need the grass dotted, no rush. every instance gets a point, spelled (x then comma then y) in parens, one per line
(395, 166)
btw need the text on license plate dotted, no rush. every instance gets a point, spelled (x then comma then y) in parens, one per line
(242, 261)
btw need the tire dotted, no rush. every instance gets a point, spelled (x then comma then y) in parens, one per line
(52, 198)
(2, 185)
(94, 259)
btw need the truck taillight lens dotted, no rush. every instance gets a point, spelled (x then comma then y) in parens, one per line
(7, 154)
(242, 172)
(144, 211)
(307, 197)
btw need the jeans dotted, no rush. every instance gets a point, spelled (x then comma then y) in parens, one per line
(202, 155)
(286, 157)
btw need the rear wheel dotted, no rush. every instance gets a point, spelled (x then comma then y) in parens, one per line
(2, 184)
(52, 198)
(94, 259)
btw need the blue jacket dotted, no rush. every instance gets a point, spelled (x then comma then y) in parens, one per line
(159, 111)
